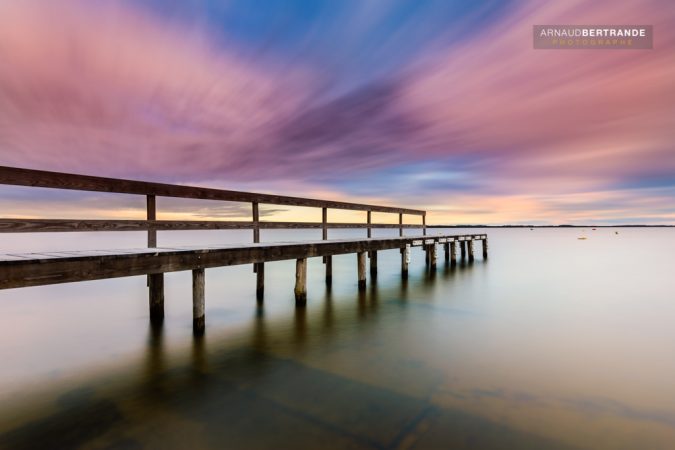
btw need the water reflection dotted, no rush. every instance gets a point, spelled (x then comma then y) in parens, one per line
(431, 361)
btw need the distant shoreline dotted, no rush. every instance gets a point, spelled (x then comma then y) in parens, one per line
(550, 226)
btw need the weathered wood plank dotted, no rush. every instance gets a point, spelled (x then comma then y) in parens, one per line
(88, 265)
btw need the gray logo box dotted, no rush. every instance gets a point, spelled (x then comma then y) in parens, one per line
(596, 37)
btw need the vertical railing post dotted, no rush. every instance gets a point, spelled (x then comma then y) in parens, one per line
(258, 268)
(400, 224)
(256, 222)
(155, 281)
(424, 223)
(324, 223)
(369, 222)
(151, 206)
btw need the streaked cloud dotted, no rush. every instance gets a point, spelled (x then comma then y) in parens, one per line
(373, 102)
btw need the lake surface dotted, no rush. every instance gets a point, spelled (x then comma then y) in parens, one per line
(554, 342)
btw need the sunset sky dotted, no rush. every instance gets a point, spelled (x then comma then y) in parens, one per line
(440, 105)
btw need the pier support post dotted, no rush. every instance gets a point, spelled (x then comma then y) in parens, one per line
(361, 263)
(301, 281)
(156, 297)
(329, 270)
(198, 304)
(446, 247)
(453, 253)
(462, 248)
(259, 281)
(432, 256)
(426, 254)
(258, 268)
(469, 244)
(485, 248)
(405, 260)
(373, 264)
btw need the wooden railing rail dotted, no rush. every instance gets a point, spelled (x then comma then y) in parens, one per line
(57, 180)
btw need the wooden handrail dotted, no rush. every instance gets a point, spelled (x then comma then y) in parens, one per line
(57, 180)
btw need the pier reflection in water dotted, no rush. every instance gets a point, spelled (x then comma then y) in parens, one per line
(434, 361)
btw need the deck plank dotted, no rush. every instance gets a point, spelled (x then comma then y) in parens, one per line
(42, 268)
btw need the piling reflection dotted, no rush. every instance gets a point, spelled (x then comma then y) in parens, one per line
(271, 386)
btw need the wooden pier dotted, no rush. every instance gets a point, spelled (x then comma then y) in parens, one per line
(34, 269)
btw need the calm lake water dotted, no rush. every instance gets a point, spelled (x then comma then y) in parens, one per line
(553, 342)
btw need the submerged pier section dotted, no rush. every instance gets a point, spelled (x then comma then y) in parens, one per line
(34, 269)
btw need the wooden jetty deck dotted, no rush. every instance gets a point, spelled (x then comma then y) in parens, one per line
(44, 268)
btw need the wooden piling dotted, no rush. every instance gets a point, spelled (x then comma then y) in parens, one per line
(301, 281)
(405, 260)
(485, 248)
(462, 249)
(453, 253)
(198, 303)
(426, 254)
(446, 248)
(432, 255)
(469, 244)
(373, 264)
(156, 291)
(260, 281)
(327, 260)
(329, 270)
(361, 263)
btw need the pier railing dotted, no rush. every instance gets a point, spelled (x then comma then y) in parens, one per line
(36, 269)
(56, 180)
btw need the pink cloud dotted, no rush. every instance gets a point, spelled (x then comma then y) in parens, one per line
(598, 114)
(110, 89)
